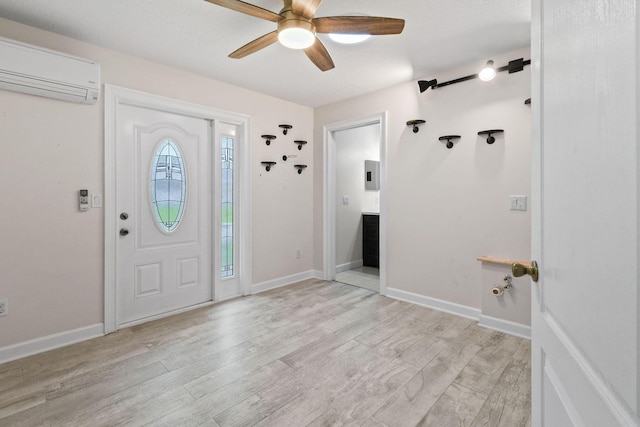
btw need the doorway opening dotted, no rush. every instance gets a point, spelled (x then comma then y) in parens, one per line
(355, 178)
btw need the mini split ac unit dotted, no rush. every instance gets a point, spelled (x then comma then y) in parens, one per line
(44, 72)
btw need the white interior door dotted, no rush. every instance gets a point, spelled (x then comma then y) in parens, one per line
(585, 218)
(163, 199)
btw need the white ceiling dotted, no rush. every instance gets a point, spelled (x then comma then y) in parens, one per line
(197, 36)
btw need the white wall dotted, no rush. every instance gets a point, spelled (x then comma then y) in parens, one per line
(353, 147)
(447, 207)
(51, 256)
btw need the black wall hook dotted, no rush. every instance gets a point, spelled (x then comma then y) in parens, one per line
(269, 138)
(490, 138)
(415, 124)
(300, 143)
(267, 165)
(300, 168)
(285, 128)
(449, 139)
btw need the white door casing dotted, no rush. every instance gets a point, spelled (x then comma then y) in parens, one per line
(160, 271)
(329, 194)
(585, 213)
(117, 98)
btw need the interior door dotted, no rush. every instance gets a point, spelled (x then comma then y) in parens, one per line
(585, 218)
(163, 198)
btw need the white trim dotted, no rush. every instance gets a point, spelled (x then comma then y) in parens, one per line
(50, 342)
(114, 96)
(329, 194)
(506, 326)
(606, 402)
(436, 304)
(284, 281)
(349, 266)
(501, 325)
(163, 315)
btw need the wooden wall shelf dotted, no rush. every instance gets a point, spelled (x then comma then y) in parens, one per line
(503, 261)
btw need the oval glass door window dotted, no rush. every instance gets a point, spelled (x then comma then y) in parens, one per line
(168, 186)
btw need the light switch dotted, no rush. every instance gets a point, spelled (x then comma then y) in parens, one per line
(518, 203)
(345, 200)
(96, 200)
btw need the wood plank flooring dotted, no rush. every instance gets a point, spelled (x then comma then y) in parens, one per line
(311, 354)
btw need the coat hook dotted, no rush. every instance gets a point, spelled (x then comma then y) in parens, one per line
(300, 168)
(490, 138)
(268, 165)
(288, 156)
(269, 138)
(300, 143)
(285, 128)
(449, 139)
(415, 124)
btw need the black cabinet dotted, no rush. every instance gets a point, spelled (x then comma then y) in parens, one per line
(371, 240)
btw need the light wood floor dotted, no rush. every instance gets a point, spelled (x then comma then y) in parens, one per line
(314, 353)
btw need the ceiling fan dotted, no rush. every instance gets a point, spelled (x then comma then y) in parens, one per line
(297, 28)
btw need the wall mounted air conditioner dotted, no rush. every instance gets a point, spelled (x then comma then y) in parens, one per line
(44, 72)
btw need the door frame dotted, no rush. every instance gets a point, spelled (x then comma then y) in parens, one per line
(115, 96)
(329, 193)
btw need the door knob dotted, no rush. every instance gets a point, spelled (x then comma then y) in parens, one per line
(520, 270)
(124, 232)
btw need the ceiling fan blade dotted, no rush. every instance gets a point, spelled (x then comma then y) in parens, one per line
(254, 46)
(374, 25)
(306, 8)
(318, 54)
(249, 9)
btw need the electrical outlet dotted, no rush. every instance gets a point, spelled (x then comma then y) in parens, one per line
(518, 203)
(4, 307)
(298, 254)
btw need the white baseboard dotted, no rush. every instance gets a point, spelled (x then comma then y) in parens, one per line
(50, 342)
(506, 326)
(284, 281)
(349, 266)
(436, 304)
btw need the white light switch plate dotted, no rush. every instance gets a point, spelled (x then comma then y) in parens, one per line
(345, 200)
(96, 200)
(518, 203)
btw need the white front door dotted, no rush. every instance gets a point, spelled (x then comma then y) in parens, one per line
(585, 331)
(163, 199)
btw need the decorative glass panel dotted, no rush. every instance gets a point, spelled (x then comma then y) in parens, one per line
(226, 144)
(168, 186)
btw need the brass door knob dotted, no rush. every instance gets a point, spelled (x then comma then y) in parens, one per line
(520, 270)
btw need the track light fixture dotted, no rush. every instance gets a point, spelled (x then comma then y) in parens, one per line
(486, 74)
(426, 84)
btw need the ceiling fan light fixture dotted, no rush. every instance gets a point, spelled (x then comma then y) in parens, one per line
(296, 34)
(344, 38)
